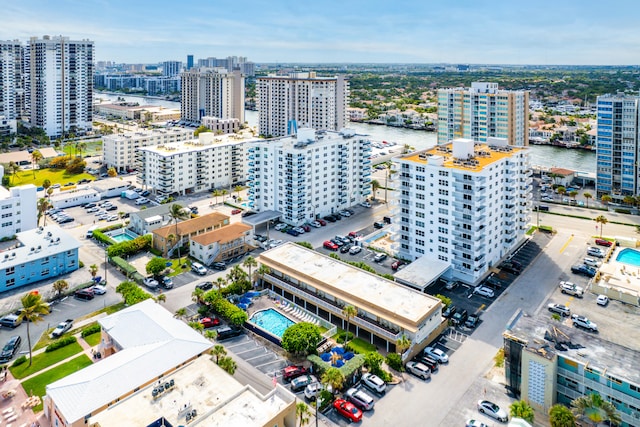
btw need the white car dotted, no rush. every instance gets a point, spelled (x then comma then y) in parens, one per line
(484, 291)
(92, 210)
(492, 410)
(420, 370)
(365, 204)
(583, 322)
(99, 289)
(602, 300)
(355, 249)
(142, 201)
(315, 224)
(151, 283)
(300, 230)
(112, 217)
(437, 354)
(346, 214)
(475, 423)
(280, 226)
(374, 383)
(198, 268)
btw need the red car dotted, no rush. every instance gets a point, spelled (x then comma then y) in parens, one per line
(397, 265)
(330, 245)
(235, 211)
(293, 371)
(306, 228)
(348, 410)
(353, 234)
(603, 242)
(322, 222)
(208, 322)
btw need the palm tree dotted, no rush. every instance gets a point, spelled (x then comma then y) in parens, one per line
(606, 198)
(46, 184)
(334, 378)
(521, 409)
(262, 270)
(249, 263)
(93, 269)
(375, 185)
(161, 298)
(177, 213)
(348, 311)
(181, 312)
(32, 310)
(112, 172)
(629, 200)
(36, 156)
(210, 334)
(595, 409)
(587, 196)
(302, 414)
(14, 168)
(561, 190)
(220, 283)
(402, 344)
(171, 239)
(196, 295)
(602, 220)
(218, 351)
(49, 192)
(228, 364)
(236, 274)
(60, 286)
(43, 205)
(80, 147)
(238, 189)
(561, 416)
(216, 194)
(223, 193)
(573, 194)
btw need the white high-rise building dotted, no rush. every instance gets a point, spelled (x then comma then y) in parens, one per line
(463, 203)
(483, 111)
(120, 149)
(212, 92)
(11, 89)
(211, 161)
(309, 175)
(59, 84)
(301, 100)
(18, 209)
(171, 68)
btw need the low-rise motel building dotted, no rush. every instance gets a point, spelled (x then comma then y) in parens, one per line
(324, 286)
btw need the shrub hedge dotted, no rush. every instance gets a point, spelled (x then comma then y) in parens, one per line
(90, 330)
(19, 361)
(224, 308)
(103, 238)
(130, 247)
(394, 360)
(62, 342)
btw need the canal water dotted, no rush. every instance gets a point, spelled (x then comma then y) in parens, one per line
(541, 155)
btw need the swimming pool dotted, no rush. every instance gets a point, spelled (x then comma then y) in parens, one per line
(271, 321)
(122, 236)
(629, 256)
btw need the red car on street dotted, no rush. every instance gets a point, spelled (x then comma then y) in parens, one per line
(293, 371)
(322, 222)
(330, 245)
(348, 410)
(602, 242)
(235, 211)
(209, 322)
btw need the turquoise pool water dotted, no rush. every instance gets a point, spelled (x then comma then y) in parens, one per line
(629, 256)
(122, 236)
(271, 321)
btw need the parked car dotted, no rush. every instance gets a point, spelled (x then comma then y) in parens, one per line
(145, 193)
(355, 249)
(584, 270)
(330, 218)
(475, 423)
(293, 232)
(198, 268)
(591, 262)
(359, 398)
(602, 242)
(492, 410)
(459, 317)
(151, 283)
(431, 363)
(345, 214)
(571, 289)
(89, 205)
(439, 355)
(111, 208)
(112, 218)
(84, 294)
(378, 224)
(219, 265)
(301, 382)
(10, 321)
(209, 322)
(328, 244)
(280, 226)
(99, 289)
(510, 267)
(338, 243)
(293, 371)
(205, 286)
(596, 252)
(602, 300)
(315, 224)
(584, 323)
(472, 321)
(167, 282)
(374, 382)
(560, 309)
(419, 369)
(380, 257)
(306, 228)
(484, 291)
(10, 348)
(397, 265)
(235, 211)
(227, 332)
(365, 204)
(449, 311)
(347, 410)
(346, 248)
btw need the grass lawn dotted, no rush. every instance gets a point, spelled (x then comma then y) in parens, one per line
(43, 360)
(93, 339)
(176, 266)
(36, 385)
(361, 346)
(56, 176)
(108, 310)
(93, 148)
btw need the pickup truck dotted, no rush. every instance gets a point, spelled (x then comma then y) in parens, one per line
(62, 328)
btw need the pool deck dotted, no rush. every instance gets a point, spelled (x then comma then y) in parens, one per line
(618, 279)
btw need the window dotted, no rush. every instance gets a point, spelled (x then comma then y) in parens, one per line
(45, 272)
(9, 271)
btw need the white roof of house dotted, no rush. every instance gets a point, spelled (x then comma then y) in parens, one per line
(37, 244)
(152, 341)
(421, 272)
(70, 194)
(109, 184)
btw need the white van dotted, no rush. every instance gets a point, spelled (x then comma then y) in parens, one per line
(142, 201)
(90, 232)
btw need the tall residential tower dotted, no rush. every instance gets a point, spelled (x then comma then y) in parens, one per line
(303, 100)
(483, 111)
(212, 92)
(11, 91)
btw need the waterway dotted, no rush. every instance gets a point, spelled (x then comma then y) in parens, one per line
(541, 155)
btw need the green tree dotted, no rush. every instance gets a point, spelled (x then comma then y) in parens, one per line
(36, 156)
(446, 301)
(237, 275)
(46, 184)
(220, 283)
(180, 313)
(178, 213)
(629, 200)
(301, 339)
(216, 194)
(161, 298)
(156, 266)
(373, 360)
(228, 364)
(594, 409)
(606, 198)
(196, 326)
(334, 378)
(197, 295)
(112, 172)
(375, 186)
(60, 286)
(561, 416)
(33, 307)
(573, 194)
(43, 206)
(238, 189)
(521, 409)
(349, 312)
(602, 220)
(210, 334)
(223, 193)
(218, 351)
(587, 196)
(402, 344)
(80, 147)
(14, 168)
(131, 293)
(201, 129)
(303, 414)
(561, 190)
(250, 263)
(93, 270)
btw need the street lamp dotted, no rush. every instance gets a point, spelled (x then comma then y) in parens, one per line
(105, 267)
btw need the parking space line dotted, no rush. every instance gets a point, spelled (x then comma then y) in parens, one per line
(562, 249)
(240, 353)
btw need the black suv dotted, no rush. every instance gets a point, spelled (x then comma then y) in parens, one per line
(227, 332)
(219, 266)
(449, 311)
(205, 286)
(459, 317)
(10, 348)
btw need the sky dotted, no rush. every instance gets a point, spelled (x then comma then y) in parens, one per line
(580, 32)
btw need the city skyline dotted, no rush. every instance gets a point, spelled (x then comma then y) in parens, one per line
(491, 32)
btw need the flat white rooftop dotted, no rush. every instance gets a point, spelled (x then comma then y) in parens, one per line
(358, 287)
(217, 397)
(421, 272)
(206, 141)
